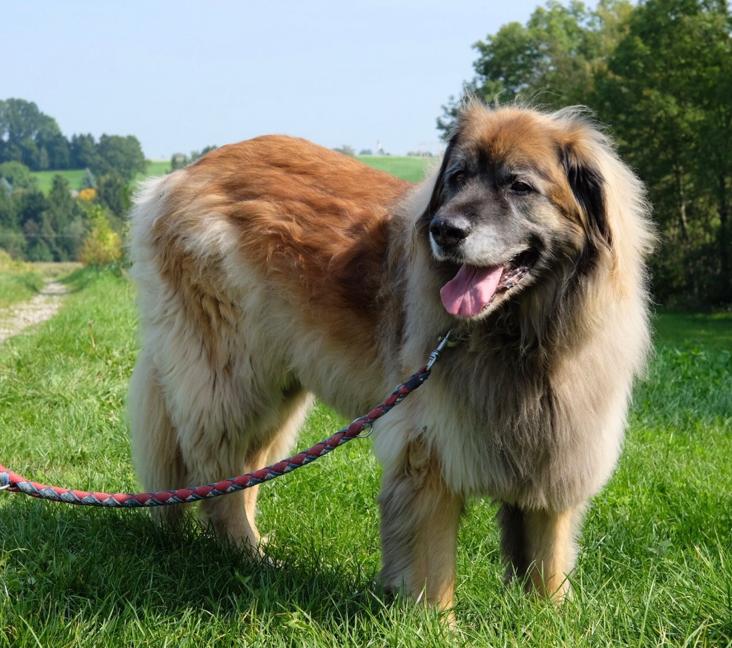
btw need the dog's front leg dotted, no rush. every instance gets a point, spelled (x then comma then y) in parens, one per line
(541, 544)
(419, 524)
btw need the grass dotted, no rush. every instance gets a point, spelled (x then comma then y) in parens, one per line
(18, 281)
(44, 179)
(408, 168)
(695, 330)
(656, 568)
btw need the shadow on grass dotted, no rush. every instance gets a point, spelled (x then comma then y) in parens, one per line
(105, 561)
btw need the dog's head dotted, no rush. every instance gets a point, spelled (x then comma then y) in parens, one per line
(520, 195)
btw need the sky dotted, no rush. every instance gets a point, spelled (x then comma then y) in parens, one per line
(181, 75)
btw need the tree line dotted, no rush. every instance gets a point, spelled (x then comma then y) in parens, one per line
(659, 76)
(62, 224)
(34, 139)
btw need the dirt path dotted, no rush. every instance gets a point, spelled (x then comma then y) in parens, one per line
(43, 306)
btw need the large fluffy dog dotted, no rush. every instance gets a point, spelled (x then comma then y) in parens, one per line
(274, 270)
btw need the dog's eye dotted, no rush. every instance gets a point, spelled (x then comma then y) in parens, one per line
(520, 187)
(457, 179)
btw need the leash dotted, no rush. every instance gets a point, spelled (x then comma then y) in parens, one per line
(15, 483)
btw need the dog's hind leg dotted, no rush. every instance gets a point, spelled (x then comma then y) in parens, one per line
(155, 450)
(291, 417)
(540, 544)
(212, 456)
(419, 524)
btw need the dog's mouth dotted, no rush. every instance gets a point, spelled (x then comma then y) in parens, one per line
(474, 289)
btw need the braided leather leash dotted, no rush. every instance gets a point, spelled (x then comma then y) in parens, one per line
(14, 483)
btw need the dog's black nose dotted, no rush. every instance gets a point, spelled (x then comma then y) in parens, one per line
(449, 231)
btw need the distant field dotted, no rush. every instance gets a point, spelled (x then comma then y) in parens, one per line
(408, 168)
(157, 167)
(45, 178)
(412, 169)
(75, 176)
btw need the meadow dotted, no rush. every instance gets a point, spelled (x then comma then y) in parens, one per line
(409, 168)
(655, 567)
(44, 179)
(18, 281)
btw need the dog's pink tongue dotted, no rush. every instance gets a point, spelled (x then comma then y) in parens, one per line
(470, 290)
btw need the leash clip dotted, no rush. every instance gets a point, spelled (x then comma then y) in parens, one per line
(438, 350)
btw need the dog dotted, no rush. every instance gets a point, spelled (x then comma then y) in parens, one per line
(273, 270)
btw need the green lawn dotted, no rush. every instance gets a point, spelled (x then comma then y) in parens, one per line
(409, 168)
(697, 330)
(44, 179)
(656, 566)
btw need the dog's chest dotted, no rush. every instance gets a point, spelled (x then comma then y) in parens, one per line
(493, 422)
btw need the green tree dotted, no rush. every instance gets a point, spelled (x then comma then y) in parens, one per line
(83, 151)
(89, 180)
(552, 60)
(102, 246)
(65, 218)
(31, 206)
(114, 193)
(667, 91)
(178, 161)
(18, 175)
(30, 136)
(120, 155)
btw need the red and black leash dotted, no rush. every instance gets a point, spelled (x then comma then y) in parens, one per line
(15, 483)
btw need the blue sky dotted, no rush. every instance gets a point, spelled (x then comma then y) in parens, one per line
(181, 75)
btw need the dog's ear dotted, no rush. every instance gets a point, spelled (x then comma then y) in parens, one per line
(588, 186)
(438, 193)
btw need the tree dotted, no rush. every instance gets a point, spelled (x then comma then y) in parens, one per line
(668, 94)
(18, 175)
(121, 155)
(102, 246)
(89, 181)
(178, 161)
(181, 160)
(30, 136)
(64, 216)
(552, 60)
(114, 193)
(83, 151)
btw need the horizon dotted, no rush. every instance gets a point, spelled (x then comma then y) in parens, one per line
(186, 76)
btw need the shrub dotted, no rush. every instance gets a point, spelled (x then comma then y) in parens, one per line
(102, 246)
